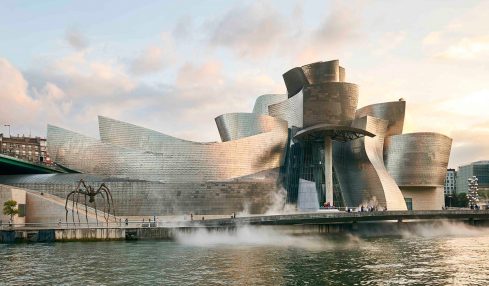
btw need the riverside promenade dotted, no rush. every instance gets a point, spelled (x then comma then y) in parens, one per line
(332, 217)
(324, 222)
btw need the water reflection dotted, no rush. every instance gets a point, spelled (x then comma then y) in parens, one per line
(258, 257)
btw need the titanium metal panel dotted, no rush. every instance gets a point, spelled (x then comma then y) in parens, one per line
(322, 72)
(164, 160)
(233, 126)
(360, 169)
(148, 140)
(315, 73)
(147, 198)
(290, 110)
(330, 103)
(294, 81)
(342, 74)
(263, 101)
(418, 159)
(393, 111)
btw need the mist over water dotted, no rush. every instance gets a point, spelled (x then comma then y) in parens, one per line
(264, 236)
(444, 228)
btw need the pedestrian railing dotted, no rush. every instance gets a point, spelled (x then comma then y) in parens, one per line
(76, 225)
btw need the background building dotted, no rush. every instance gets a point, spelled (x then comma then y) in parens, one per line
(480, 169)
(33, 149)
(450, 182)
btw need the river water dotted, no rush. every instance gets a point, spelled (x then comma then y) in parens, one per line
(440, 254)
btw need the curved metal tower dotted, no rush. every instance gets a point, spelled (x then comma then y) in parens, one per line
(329, 106)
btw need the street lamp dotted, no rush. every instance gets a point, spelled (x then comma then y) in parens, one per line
(8, 129)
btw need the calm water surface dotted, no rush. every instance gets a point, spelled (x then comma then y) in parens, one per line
(441, 255)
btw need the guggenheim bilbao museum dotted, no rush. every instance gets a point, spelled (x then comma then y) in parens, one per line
(309, 147)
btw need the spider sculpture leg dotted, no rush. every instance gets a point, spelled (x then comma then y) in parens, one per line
(103, 189)
(86, 208)
(105, 206)
(95, 206)
(66, 204)
(77, 212)
(110, 200)
(73, 207)
(77, 189)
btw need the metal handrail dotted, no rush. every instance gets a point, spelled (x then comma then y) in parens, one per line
(71, 225)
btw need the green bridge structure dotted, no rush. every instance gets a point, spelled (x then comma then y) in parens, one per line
(14, 166)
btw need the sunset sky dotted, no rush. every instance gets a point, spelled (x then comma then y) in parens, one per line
(174, 67)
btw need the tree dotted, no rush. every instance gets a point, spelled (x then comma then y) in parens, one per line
(458, 200)
(9, 208)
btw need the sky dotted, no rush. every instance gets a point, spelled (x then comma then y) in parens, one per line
(173, 66)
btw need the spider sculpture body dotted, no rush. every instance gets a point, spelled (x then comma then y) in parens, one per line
(85, 190)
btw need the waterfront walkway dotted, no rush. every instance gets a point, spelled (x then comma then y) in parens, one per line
(329, 217)
(322, 222)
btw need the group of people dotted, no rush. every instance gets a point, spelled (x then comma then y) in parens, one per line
(366, 209)
(475, 207)
(151, 223)
(369, 209)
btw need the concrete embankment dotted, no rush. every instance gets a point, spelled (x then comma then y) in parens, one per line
(296, 224)
(85, 234)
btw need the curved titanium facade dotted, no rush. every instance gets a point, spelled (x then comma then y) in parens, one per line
(147, 198)
(360, 169)
(160, 158)
(290, 110)
(330, 103)
(316, 73)
(160, 173)
(391, 111)
(149, 140)
(264, 101)
(322, 72)
(233, 126)
(418, 159)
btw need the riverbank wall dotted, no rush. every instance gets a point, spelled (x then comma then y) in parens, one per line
(171, 233)
(317, 223)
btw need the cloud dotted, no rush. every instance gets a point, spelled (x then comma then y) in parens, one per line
(13, 94)
(252, 30)
(155, 57)
(183, 28)
(151, 60)
(74, 89)
(472, 48)
(339, 27)
(258, 30)
(470, 144)
(26, 107)
(80, 76)
(388, 42)
(432, 38)
(463, 38)
(76, 39)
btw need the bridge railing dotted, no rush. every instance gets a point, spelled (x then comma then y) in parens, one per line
(76, 225)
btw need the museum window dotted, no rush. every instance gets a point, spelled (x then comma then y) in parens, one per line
(409, 203)
(21, 209)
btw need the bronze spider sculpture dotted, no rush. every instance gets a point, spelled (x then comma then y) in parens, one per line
(88, 191)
